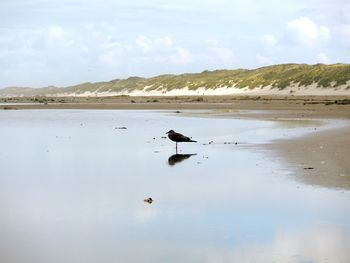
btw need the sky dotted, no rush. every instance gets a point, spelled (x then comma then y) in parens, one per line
(52, 42)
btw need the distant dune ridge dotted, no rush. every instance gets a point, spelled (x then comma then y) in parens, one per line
(298, 79)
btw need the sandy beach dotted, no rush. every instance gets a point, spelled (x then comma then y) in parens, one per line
(320, 159)
(327, 106)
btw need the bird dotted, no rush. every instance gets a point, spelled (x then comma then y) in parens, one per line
(178, 137)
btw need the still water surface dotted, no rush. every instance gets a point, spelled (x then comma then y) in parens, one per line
(72, 187)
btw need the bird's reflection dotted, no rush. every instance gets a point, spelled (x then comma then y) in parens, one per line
(177, 158)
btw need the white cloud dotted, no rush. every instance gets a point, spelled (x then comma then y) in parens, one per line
(31, 38)
(307, 31)
(346, 12)
(160, 50)
(346, 30)
(56, 32)
(182, 56)
(144, 50)
(5, 40)
(5, 53)
(164, 41)
(323, 58)
(269, 40)
(111, 45)
(221, 55)
(144, 43)
(345, 34)
(224, 55)
(58, 37)
(149, 45)
(263, 60)
(112, 54)
(84, 48)
(45, 37)
(111, 58)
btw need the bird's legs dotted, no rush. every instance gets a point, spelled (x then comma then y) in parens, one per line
(176, 148)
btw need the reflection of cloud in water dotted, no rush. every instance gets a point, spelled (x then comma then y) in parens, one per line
(177, 158)
(145, 214)
(317, 244)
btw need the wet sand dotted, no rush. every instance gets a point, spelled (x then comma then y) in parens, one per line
(288, 106)
(327, 152)
(322, 158)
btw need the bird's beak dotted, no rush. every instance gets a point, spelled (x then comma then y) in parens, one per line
(167, 133)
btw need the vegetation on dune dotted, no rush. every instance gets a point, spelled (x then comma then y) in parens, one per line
(277, 76)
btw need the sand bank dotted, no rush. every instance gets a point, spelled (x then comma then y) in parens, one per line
(321, 158)
(295, 89)
(307, 106)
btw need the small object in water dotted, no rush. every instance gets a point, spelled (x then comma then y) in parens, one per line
(9, 108)
(308, 168)
(177, 111)
(120, 128)
(236, 143)
(148, 200)
(163, 137)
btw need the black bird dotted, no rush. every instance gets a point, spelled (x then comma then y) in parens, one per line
(178, 137)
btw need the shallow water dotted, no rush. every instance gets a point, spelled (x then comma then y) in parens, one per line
(72, 186)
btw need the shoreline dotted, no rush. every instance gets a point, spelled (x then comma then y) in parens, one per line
(289, 106)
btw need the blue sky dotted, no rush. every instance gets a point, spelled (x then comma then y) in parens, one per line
(51, 42)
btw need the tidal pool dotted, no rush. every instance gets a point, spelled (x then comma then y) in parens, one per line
(72, 185)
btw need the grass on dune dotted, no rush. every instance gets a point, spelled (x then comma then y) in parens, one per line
(276, 76)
